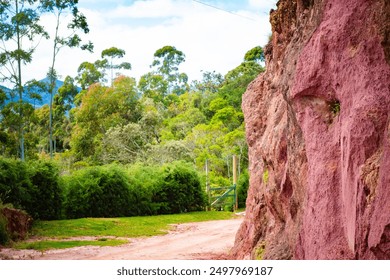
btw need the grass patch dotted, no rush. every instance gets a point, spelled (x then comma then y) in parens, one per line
(50, 244)
(121, 227)
(259, 251)
(335, 107)
(265, 176)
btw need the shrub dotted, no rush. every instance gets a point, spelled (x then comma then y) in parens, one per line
(144, 181)
(14, 183)
(98, 192)
(180, 190)
(46, 191)
(32, 186)
(242, 188)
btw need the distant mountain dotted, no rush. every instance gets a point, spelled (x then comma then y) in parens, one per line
(26, 96)
(6, 90)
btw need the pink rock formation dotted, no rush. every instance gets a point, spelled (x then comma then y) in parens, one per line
(318, 130)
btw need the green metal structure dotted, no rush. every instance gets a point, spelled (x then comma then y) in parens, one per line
(220, 201)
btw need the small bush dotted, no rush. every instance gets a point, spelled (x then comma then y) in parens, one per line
(180, 190)
(335, 107)
(98, 192)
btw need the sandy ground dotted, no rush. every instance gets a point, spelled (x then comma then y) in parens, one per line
(191, 241)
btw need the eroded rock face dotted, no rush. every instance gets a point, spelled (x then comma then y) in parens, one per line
(18, 223)
(318, 130)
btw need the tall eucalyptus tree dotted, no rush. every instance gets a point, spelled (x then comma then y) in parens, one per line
(19, 25)
(70, 38)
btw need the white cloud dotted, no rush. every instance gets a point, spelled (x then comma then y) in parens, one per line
(210, 38)
(149, 9)
(262, 4)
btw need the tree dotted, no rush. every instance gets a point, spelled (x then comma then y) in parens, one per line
(62, 104)
(237, 79)
(125, 144)
(181, 125)
(101, 109)
(210, 83)
(256, 54)
(112, 53)
(72, 39)
(19, 21)
(167, 61)
(89, 73)
(153, 86)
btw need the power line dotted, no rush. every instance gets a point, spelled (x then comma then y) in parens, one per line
(218, 8)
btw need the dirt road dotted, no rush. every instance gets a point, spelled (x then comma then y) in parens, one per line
(191, 241)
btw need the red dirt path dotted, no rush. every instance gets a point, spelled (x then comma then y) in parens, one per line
(190, 241)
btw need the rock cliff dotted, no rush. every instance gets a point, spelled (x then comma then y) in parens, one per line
(318, 131)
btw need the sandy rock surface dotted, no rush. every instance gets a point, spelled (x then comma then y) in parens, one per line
(318, 132)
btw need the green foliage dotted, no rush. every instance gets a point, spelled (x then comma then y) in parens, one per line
(169, 151)
(180, 191)
(182, 124)
(156, 122)
(242, 188)
(19, 27)
(61, 244)
(260, 250)
(335, 107)
(210, 83)
(124, 144)
(112, 53)
(34, 187)
(15, 184)
(237, 80)
(10, 124)
(256, 54)
(153, 86)
(265, 176)
(62, 104)
(88, 74)
(46, 191)
(102, 108)
(98, 192)
(166, 62)
(144, 181)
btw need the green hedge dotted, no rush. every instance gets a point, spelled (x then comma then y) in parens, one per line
(105, 191)
(98, 192)
(242, 188)
(46, 191)
(15, 184)
(144, 184)
(180, 190)
(109, 191)
(31, 186)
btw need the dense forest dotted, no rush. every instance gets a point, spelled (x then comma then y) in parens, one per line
(102, 122)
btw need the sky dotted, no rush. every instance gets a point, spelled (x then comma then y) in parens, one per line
(212, 38)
